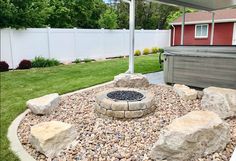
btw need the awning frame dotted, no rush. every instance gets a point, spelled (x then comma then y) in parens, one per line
(214, 5)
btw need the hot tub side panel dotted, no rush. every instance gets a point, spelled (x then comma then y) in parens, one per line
(200, 71)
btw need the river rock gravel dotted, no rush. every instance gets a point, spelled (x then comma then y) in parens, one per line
(112, 140)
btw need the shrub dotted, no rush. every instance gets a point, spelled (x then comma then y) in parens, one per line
(52, 62)
(155, 49)
(87, 60)
(146, 51)
(77, 61)
(38, 62)
(161, 50)
(137, 53)
(4, 66)
(25, 64)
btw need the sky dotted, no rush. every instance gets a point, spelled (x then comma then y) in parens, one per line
(106, 1)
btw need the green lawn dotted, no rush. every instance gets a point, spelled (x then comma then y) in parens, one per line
(19, 86)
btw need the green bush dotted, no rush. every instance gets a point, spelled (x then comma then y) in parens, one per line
(155, 49)
(137, 53)
(39, 61)
(161, 50)
(146, 51)
(77, 61)
(87, 60)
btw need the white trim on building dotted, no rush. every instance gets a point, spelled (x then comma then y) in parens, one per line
(203, 34)
(234, 35)
(205, 21)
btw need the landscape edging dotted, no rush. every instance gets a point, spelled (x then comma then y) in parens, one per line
(15, 144)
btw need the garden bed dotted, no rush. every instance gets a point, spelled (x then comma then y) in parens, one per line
(106, 139)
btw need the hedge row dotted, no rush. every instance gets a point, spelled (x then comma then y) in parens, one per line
(147, 51)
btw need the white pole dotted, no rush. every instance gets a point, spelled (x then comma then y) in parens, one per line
(131, 34)
(173, 41)
(182, 27)
(49, 45)
(11, 46)
(132, 29)
(75, 42)
(212, 28)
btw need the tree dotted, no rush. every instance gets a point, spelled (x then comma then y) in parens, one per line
(173, 16)
(147, 15)
(6, 13)
(83, 14)
(88, 13)
(54, 13)
(123, 15)
(108, 20)
(62, 14)
(23, 13)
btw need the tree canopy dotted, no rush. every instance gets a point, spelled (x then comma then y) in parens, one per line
(83, 14)
(108, 20)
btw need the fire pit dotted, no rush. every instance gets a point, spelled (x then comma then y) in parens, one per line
(124, 103)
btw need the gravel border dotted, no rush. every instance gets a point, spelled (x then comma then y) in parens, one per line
(15, 144)
(17, 147)
(233, 158)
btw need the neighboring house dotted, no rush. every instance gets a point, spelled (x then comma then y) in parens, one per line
(197, 29)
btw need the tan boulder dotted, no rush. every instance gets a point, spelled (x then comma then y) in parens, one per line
(51, 137)
(131, 80)
(43, 105)
(194, 135)
(185, 92)
(220, 100)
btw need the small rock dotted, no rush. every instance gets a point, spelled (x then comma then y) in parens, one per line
(185, 92)
(200, 94)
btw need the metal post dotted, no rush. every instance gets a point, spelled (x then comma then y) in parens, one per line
(212, 28)
(132, 29)
(182, 27)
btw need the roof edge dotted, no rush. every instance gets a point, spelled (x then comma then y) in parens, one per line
(205, 21)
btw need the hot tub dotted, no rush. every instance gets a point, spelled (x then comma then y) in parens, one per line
(201, 66)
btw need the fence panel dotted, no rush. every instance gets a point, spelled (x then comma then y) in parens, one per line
(69, 44)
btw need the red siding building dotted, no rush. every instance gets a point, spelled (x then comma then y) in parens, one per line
(197, 29)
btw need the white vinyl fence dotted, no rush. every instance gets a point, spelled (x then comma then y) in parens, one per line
(69, 44)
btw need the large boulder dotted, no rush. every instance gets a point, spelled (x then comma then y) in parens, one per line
(194, 135)
(185, 92)
(220, 100)
(131, 80)
(51, 137)
(43, 105)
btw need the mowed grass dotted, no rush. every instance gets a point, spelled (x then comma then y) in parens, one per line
(21, 85)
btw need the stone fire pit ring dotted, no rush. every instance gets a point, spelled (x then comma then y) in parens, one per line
(122, 109)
